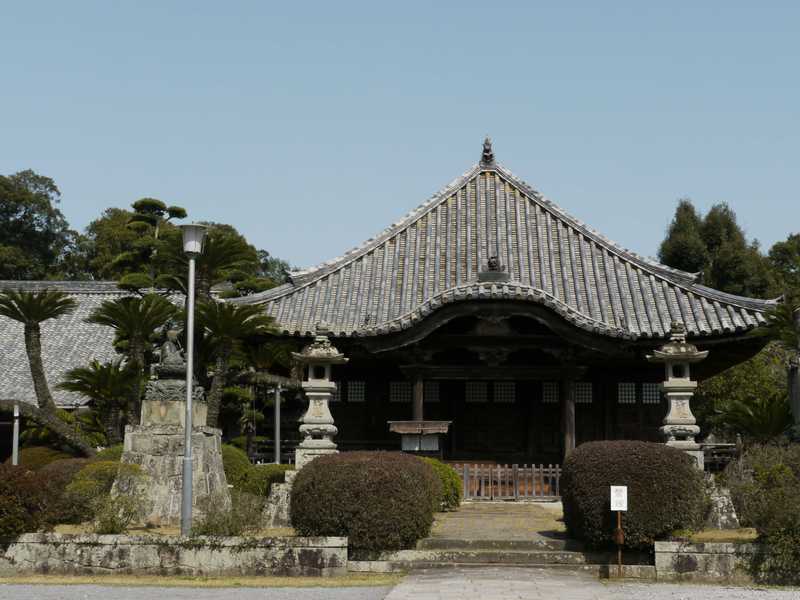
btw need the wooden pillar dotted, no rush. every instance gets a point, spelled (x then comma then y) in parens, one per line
(419, 392)
(568, 413)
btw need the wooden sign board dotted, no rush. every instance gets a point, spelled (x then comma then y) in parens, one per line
(619, 497)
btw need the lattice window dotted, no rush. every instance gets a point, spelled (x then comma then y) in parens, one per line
(651, 393)
(550, 392)
(476, 391)
(400, 391)
(356, 391)
(431, 391)
(505, 392)
(583, 392)
(336, 395)
(626, 393)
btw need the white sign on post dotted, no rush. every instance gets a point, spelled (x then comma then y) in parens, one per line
(619, 497)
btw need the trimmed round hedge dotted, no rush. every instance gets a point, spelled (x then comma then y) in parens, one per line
(259, 479)
(236, 464)
(451, 484)
(666, 492)
(379, 500)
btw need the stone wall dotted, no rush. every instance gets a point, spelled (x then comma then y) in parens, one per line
(709, 562)
(159, 555)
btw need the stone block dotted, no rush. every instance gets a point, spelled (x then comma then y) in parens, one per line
(703, 562)
(62, 554)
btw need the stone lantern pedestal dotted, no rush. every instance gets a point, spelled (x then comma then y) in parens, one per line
(317, 425)
(680, 426)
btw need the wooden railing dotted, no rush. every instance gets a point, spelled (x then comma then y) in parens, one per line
(509, 482)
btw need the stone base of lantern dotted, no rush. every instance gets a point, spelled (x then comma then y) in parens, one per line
(303, 456)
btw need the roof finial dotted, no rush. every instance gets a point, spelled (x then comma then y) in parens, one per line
(487, 158)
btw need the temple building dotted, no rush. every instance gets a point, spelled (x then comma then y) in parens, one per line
(491, 314)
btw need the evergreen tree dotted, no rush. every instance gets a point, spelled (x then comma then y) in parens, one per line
(785, 260)
(684, 247)
(717, 247)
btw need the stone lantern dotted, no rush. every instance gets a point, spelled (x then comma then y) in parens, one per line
(317, 425)
(680, 426)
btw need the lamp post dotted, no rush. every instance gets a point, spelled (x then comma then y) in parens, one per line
(278, 424)
(15, 436)
(193, 235)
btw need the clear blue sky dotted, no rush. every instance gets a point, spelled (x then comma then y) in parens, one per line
(311, 126)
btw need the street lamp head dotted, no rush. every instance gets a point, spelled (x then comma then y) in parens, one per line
(193, 236)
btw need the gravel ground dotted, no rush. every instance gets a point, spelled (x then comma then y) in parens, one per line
(97, 592)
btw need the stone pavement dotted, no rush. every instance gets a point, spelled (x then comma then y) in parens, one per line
(506, 583)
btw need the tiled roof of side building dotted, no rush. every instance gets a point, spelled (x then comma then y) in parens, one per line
(67, 342)
(433, 256)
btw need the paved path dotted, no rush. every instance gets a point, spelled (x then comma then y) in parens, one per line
(98, 592)
(512, 521)
(504, 583)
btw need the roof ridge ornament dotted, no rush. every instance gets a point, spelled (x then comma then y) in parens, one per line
(487, 157)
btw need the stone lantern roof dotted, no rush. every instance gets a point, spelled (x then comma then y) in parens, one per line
(677, 349)
(320, 351)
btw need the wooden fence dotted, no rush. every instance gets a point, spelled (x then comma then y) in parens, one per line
(509, 482)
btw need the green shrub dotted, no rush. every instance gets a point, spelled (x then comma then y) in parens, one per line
(114, 514)
(90, 488)
(451, 484)
(665, 492)
(258, 479)
(242, 516)
(36, 457)
(23, 502)
(765, 489)
(379, 500)
(112, 453)
(236, 464)
(58, 475)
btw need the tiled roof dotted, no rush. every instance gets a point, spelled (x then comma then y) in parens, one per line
(67, 342)
(433, 256)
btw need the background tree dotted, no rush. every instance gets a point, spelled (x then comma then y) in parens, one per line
(32, 309)
(109, 386)
(149, 220)
(785, 260)
(717, 246)
(684, 247)
(750, 399)
(227, 258)
(34, 235)
(135, 320)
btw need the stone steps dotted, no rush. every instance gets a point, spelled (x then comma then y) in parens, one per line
(432, 558)
(438, 543)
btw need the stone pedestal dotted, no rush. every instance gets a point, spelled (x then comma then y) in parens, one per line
(157, 447)
(158, 450)
(317, 426)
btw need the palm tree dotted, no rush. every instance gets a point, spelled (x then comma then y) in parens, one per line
(135, 320)
(225, 326)
(109, 387)
(761, 419)
(32, 309)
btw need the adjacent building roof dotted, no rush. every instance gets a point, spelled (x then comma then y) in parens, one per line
(434, 255)
(67, 342)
